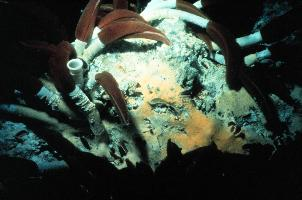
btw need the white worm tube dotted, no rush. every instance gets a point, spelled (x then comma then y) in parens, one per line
(160, 5)
(171, 13)
(95, 33)
(258, 56)
(219, 58)
(90, 52)
(79, 98)
(75, 67)
(250, 39)
(266, 53)
(55, 102)
(198, 4)
(79, 46)
(37, 116)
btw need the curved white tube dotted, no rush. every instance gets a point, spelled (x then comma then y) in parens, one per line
(55, 102)
(256, 57)
(250, 39)
(171, 13)
(219, 58)
(266, 53)
(75, 67)
(160, 5)
(79, 98)
(94, 35)
(79, 46)
(91, 51)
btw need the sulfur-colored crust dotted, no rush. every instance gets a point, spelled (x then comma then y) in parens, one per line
(119, 14)
(150, 35)
(86, 22)
(110, 85)
(231, 51)
(120, 4)
(58, 69)
(119, 29)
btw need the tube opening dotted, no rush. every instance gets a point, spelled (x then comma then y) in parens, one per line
(75, 64)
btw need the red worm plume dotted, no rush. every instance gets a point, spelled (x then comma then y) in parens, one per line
(119, 29)
(151, 36)
(231, 51)
(117, 15)
(58, 69)
(110, 85)
(103, 10)
(86, 22)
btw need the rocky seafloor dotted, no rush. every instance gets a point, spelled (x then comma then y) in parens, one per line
(173, 93)
(219, 145)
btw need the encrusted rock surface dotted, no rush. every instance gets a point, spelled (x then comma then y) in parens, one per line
(172, 92)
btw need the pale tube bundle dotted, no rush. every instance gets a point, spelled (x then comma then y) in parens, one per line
(79, 98)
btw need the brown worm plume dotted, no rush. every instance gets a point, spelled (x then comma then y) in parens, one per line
(110, 85)
(119, 29)
(86, 22)
(150, 35)
(265, 103)
(117, 15)
(231, 51)
(58, 69)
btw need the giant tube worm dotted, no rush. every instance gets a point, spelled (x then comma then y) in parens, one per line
(85, 26)
(108, 82)
(60, 73)
(36, 116)
(115, 15)
(32, 86)
(265, 103)
(113, 31)
(150, 35)
(65, 83)
(174, 4)
(120, 29)
(231, 52)
(119, 14)
(217, 33)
